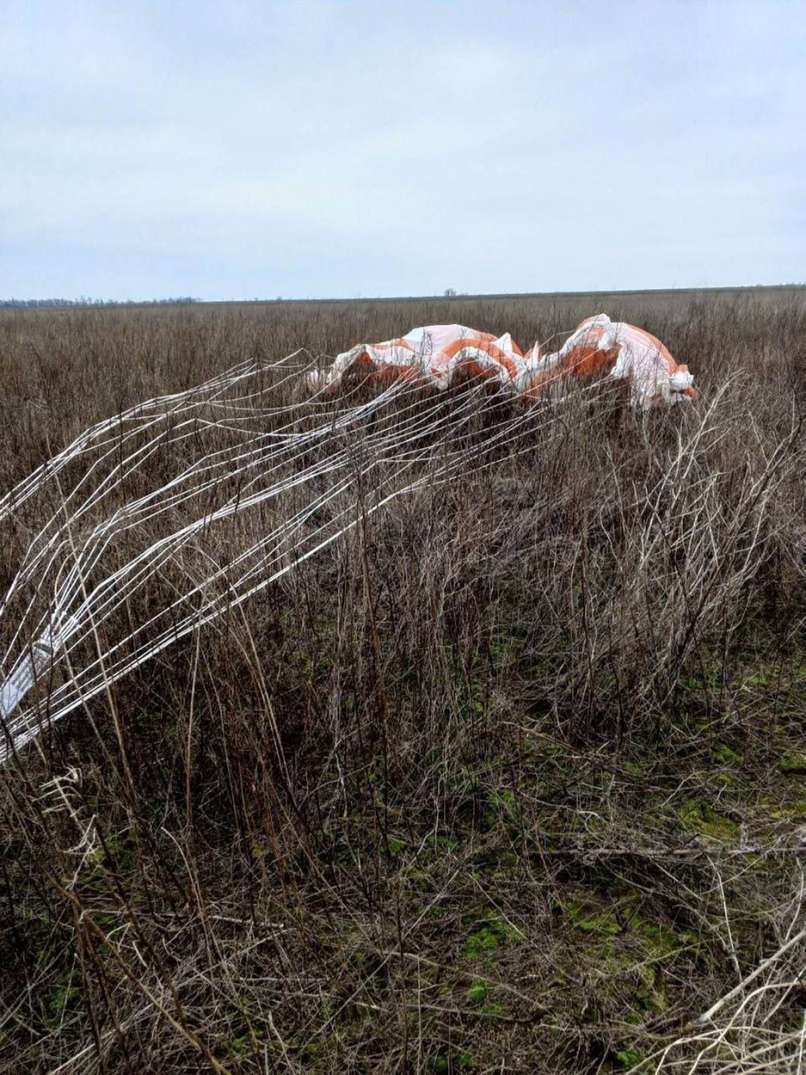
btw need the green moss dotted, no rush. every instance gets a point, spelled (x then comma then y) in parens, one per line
(601, 922)
(492, 932)
(443, 843)
(494, 858)
(758, 679)
(722, 780)
(477, 994)
(624, 953)
(243, 1046)
(629, 1058)
(794, 762)
(725, 755)
(634, 768)
(503, 804)
(259, 849)
(61, 998)
(660, 940)
(650, 995)
(418, 877)
(700, 817)
(451, 1063)
(709, 679)
(794, 810)
(481, 943)
(492, 1012)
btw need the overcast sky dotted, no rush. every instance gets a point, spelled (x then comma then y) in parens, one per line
(242, 149)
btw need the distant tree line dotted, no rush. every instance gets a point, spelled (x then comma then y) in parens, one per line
(36, 304)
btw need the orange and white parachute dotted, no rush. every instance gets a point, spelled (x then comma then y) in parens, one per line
(441, 355)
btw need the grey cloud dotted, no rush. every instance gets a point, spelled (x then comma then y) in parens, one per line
(322, 148)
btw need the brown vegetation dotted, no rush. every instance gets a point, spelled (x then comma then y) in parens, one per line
(510, 778)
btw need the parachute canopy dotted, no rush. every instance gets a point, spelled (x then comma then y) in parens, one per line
(442, 355)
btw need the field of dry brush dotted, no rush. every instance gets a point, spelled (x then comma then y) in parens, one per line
(512, 778)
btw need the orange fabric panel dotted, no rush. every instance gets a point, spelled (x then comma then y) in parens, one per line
(483, 343)
(586, 360)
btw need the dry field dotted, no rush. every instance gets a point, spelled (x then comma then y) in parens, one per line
(512, 778)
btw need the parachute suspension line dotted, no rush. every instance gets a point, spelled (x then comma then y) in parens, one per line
(246, 487)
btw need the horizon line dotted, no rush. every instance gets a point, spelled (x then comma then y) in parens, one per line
(187, 300)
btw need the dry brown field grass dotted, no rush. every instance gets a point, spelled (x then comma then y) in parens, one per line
(510, 779)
